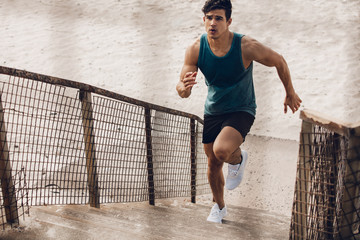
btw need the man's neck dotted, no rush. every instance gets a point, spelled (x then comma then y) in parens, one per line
(220, 46)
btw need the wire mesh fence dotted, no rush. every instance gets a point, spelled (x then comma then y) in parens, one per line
(20, 203)
(326, 200)
(77, 144)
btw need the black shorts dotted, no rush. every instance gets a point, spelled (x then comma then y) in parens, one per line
(241, 121)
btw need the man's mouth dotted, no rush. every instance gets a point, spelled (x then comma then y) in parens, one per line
(212, 30)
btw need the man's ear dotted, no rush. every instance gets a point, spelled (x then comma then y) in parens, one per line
(229, 21)
(204, 18)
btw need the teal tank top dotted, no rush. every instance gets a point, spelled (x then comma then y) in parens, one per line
(230, 85)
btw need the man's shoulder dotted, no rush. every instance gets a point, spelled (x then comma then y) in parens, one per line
(248, 44)
(246, 40)
(195, 46)
(192, 52)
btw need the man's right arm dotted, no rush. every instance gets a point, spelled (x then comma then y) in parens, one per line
(189, 70)
(255, 51)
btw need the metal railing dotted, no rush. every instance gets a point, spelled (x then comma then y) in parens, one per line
(326, 200)
(73, 143)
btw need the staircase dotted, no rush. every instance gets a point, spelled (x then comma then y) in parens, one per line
(169, 219)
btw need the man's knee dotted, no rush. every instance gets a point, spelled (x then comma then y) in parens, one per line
(222, 154)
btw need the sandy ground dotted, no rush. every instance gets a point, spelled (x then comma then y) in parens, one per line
(136, 48)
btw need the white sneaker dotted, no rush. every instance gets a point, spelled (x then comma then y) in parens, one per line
(236, 172)
(216, 215)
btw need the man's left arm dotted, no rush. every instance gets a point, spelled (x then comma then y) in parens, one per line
(255, 51)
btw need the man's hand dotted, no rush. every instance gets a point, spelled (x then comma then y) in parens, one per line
(186, 84)
(189, 80)
(293, 101)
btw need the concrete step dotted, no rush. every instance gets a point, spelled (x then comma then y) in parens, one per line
(169, 219)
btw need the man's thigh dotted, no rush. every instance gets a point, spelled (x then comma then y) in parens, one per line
(229, 140)
(208, 147)
(212, 160)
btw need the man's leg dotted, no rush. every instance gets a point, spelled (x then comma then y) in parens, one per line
(224, 149)
(227, 149)
(227, 146)
(215, 175)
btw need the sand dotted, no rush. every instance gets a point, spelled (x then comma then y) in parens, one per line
(136, 48)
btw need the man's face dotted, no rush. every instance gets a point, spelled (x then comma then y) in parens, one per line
(215, 23)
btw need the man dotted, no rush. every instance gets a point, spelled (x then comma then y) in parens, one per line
(226, 60)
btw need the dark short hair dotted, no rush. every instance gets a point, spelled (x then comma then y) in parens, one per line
(218, 4)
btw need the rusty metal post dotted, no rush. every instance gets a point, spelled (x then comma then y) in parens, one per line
(89, 139)
(302, 179)
(193, 159)
(7, 184)
(349, 226)
(149, 156)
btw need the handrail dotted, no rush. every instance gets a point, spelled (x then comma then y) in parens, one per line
(92, 89)
(343, 128)
(95, 147)
(326, 196)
